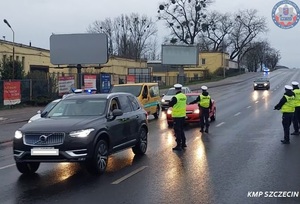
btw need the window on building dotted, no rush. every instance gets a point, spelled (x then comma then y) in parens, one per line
(23, 62)
(4, 57)
(203, 61)
(17, 58)
(10, 57)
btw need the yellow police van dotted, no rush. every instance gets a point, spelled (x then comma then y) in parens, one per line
(147, 94)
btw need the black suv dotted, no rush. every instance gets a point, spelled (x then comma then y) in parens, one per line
(83, 128)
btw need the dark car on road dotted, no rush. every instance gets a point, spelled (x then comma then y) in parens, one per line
(83, 128)
(261, 83)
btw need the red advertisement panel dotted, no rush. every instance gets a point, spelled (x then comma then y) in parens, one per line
(12, 92)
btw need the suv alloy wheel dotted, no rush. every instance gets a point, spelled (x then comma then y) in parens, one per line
(141, 146)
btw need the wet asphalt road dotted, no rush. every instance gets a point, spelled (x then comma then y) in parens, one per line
(242, 153)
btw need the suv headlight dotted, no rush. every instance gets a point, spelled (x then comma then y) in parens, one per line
(81, 133)
(18, 134)
(265, 84)
(163, 100)
(255, 84)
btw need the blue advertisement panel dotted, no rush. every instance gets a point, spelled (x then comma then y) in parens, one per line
(105, 83)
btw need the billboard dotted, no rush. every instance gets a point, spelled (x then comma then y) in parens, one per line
(12, 92)
(87, 48)
(180, 55)
(90, 81)
(105, 83)
(65, 84)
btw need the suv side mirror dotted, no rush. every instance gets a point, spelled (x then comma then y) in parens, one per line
(117, 112)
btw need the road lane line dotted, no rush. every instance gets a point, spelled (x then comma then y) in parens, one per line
(256, 101)
(237, 114)
(129, 175)
(7, 166)
(222, 123)
(249, 107)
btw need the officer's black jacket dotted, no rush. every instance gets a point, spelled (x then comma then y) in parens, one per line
(174, 99)
(197, 100)
(283, 99)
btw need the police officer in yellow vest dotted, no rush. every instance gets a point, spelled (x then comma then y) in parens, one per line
(178, 104)
(296, 119)
(287, 107)
(205, 104)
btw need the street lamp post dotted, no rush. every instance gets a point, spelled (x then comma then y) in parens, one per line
(13, 68)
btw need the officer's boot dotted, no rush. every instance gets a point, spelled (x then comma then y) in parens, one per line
(206, 129)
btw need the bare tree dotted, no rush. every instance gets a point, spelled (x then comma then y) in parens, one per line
(259, 54)
(129, 36)
(247, 26)
(272, 58)
(214, 38)
(184, 18)
(103, 27)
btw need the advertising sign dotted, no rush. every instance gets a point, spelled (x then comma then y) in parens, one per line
(12, 92)
(105, 83)
(130, 79)
(89, 81)
(65, 84)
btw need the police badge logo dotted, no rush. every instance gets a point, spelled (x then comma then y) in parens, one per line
(285, 14)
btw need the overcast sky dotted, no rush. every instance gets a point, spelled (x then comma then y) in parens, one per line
(36, 20)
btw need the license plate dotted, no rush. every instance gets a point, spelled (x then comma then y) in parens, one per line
(44, 152)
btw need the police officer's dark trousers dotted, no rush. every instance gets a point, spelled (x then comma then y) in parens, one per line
(204, 115)
(296, 119)
(179, 131)
(287, 119)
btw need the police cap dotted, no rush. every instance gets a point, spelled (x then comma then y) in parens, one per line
(295, 83)
(288, 87)
(204, 88)
(177, 86)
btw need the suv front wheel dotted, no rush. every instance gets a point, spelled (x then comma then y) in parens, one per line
(27, 167)
(99, 161)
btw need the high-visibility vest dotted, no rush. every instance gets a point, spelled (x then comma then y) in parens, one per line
(297, 97)
(289, 106)
(179, 109)
(204, 101)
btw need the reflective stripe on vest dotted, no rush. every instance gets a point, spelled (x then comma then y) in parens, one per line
(204, 101)
(297, 97)
(289, 106)
(179, 109)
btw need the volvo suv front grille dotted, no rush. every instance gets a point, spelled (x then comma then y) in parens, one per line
(44, 139)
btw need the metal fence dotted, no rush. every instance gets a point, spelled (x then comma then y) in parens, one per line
(41, 91)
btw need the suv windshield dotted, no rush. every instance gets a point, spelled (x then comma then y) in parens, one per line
(135, 90)
(79, 107)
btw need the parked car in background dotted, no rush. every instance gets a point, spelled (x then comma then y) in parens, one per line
(83, 128)
(170, 93)
(147, 94)
(261, 83)
(192, 111)
(48, 107)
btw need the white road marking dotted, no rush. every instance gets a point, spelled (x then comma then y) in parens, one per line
(7, 166)
(256, 101)
(129, 175)
(249, 107)
(222, 123)
(237, 114)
